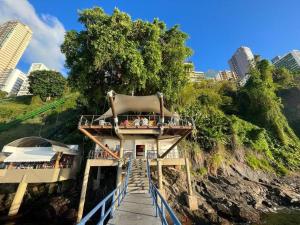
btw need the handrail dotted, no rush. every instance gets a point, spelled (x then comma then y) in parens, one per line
(160, 203)
(116, 196)
(91, 120)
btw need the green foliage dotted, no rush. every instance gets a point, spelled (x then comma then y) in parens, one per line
(259, 104)
(204, 105)
(57, 124)
(250, 116)
(256, 162)
(115, 52)
(252, 136)
(17, 106)
(47, 84)
(3, 94)
(283, 77)
(202, 171)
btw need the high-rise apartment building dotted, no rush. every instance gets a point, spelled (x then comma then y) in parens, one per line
(11, 81)
(24, 90)
(241, 62)
(14, 38)
(226, 75)
(290, 61)
(194, 76)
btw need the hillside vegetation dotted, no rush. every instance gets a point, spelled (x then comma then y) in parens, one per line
(248, 117)
(59, 123)
(114, 52)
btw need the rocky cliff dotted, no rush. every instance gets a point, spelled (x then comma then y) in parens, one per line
(232, 193)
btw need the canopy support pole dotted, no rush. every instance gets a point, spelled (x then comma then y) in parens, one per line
(113, 109)
(161, 104)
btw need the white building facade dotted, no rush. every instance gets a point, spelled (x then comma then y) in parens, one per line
(290, 61)
(142, 148)
(11, 81)
(241, 62)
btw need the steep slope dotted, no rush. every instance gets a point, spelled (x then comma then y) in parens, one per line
(57, 123)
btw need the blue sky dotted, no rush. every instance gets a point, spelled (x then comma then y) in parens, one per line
(216, 27)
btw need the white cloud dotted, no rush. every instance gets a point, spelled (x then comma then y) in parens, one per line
(48, 33)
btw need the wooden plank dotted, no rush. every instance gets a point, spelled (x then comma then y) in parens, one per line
(99, 143)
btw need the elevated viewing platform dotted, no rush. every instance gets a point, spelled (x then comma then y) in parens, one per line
(136, 128)
(136, 124)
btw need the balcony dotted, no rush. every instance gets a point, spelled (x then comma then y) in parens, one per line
(136, 124)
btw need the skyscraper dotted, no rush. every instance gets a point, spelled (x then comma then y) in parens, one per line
(14, 38)
(290, 61)
(241, 62)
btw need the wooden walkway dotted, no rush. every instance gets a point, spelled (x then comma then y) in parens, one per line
(135, 209)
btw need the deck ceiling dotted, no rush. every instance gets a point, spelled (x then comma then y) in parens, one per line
(153, 131)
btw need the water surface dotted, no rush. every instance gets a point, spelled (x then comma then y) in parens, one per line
(282, 217)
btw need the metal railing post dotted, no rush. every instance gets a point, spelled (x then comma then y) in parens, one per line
(119, 193)
(102, 214)
(112, 205)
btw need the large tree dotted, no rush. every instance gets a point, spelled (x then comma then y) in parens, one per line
(47, 84)
(115, 52)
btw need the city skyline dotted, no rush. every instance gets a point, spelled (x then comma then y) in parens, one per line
(213, 38)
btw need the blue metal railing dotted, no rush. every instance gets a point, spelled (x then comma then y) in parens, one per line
(161, 206)
(116, 197)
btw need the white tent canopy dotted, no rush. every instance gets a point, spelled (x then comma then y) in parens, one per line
(35, 149)
(34, 142)
(28, 154)
(127, 103)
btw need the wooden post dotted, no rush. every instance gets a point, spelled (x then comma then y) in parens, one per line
(83, 190)
(120, 164)
(157, 148)
(59, 155)
(99, 143)
(192, 200)
(188, 176)
(15, 206)
(159, 173)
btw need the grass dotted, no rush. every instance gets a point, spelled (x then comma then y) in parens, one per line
(202, 171)
(16, 106)
(54, 124)
(257, 162)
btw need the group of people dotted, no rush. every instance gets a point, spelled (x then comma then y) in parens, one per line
(141, 121)
(138, 121)
(65, 162)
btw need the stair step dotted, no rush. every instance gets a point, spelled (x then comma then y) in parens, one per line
(139, 185)
(139, 180)
(137, 188)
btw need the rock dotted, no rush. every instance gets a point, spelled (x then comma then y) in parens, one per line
(237, 194)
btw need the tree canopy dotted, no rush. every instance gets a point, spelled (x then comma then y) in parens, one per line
(47, 84)
(115, 52)
(3, 94)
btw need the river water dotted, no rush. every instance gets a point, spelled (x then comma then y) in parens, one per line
(282, 217)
